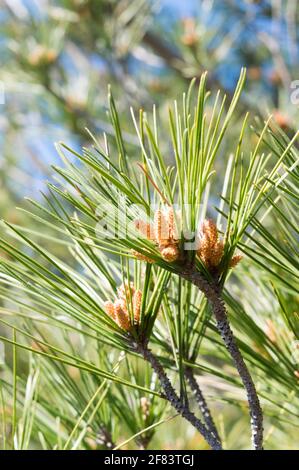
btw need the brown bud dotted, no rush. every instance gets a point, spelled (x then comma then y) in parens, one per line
(161, 228)
(211, 249)
(109, 309)
(209, 229)
(41, 55)
(190, 36)
(121, 316)
(217, 253)
(254, 73)
(137, 306)
(235, 260)
(170, 253)
(145, 229)
(281, 119)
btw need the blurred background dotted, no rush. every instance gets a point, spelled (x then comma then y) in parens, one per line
(58, 57)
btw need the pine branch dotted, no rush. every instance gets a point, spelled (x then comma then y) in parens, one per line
(200, 400)
(174, 400)
(212, 292)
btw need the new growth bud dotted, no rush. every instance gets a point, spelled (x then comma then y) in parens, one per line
(126, 306)
(163, 233)
(211, 248)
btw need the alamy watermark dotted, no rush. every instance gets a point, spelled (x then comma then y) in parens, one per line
(123, 221)
(294, 96)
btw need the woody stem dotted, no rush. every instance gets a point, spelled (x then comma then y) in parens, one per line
(213, 294)
(200, 400)
(173, 398)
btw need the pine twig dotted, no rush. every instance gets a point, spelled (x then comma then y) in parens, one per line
(200, 400)
(212, 291)
(104, 438)
(174, 400)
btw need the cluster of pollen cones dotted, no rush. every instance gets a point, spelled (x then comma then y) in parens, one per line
(164, 234)
(211, 248)
(126, 307)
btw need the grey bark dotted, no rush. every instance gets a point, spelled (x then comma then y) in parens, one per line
(174, 400)
(202, 404)
(213, 294)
